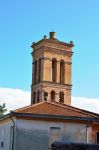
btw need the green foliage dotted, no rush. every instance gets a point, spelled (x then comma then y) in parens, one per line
(2, 109)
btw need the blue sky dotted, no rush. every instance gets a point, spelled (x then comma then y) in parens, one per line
(23, 22)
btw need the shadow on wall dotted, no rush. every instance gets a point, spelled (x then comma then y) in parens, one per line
(73, 146)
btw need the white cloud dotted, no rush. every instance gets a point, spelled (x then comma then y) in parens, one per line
(91, 104)
(16, 98)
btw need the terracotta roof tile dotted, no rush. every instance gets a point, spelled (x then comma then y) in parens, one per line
(55, 108)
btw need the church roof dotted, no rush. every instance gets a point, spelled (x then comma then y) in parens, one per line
(56, 108)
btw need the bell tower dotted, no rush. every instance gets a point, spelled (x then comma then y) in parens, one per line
(51, 70)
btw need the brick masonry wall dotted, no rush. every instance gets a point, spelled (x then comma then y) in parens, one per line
(47, 50)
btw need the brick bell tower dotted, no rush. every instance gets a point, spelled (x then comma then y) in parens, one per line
(51, 70)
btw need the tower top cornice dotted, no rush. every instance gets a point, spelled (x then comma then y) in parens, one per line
(52, 40)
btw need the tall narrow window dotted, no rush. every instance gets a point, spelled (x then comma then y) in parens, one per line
(54, 70)
(52, 95)
(38, 96)
(35, 71)
(45, 95)
(34, 97)
(61, 97)
(39, 70)
(62, 71)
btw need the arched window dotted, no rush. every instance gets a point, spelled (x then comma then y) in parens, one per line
(38, 96)
(34, 97)
(39, 70)
(35, 71)
(52, 95)
(62, 71)
(45, 95)
(61, 97)
(54, 70)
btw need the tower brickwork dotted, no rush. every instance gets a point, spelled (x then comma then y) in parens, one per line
(51, 70)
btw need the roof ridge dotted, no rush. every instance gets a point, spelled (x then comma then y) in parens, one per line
(25, 107)
(74, 108)
(22, 108)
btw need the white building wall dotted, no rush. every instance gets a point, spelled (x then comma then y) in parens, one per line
(6, 135)
(30, 134)
(38, 135)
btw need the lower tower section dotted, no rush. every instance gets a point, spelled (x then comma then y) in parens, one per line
(51, 92)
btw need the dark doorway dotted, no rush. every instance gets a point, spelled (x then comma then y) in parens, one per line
(97, 137)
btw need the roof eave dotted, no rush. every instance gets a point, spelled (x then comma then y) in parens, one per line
(60, 117)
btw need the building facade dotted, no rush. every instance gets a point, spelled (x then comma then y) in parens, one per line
(50, 117)
(37, 126)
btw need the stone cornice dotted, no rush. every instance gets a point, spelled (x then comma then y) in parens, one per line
(54, 51)
(67, 86)
(51, 41)
(58, 51)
